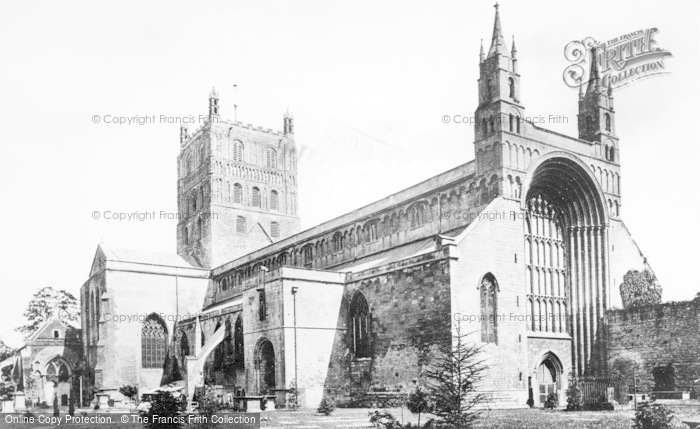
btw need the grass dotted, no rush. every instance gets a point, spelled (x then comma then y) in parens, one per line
(548, 419)
(357, 418)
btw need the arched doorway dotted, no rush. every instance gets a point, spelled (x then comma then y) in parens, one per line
(548, 378)
(265, 366)
(59, 380)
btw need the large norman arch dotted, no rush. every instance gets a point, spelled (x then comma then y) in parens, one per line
(567, 258)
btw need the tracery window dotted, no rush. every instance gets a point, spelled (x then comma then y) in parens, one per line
(360, 324)
(154, 339)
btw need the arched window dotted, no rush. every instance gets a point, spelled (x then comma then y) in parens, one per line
(199, 228)
(510, 122)
(417, 215)
(359, 323)
(493, 185)
(608, 125)
(511, 87)
(57, 370)
(154, 339)
(240, 225)
(491, 124)
(371, 231)
(489, 89)
(308, 253)
(271, 158)
(274, 229)
(517, 123)
(237, 151)
(256, 197)
(337, 242)
(184, 344)
(489, 308)
(187, 236)
(484, 128)
(484, 191)
(274, 200)
(237, 193)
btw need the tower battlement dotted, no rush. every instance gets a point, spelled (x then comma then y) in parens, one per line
(237, 188)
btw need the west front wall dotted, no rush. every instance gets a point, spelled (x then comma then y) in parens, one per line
(494, 244)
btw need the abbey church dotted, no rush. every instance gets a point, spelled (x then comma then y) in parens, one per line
(524, 247)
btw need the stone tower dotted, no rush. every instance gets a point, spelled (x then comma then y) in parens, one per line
(596, 124)
(237, 188)
(596, 114)
(499, 111)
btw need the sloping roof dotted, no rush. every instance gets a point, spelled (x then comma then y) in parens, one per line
(145, 257)
(386, 257)
(43, 327)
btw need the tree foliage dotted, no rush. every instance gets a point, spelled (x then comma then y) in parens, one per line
(639, 288)
(574, 398)
(71, 403)
(653, 416)
(327, 406)
(452, 379)
(47, 303)
(552, 401)
(417, 402)
(5, 351)
(129, 391)
(166, 410)
(56, 412)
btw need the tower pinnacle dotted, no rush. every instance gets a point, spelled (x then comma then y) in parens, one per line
(498, 43)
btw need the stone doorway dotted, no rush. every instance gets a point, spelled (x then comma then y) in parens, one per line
(265, 360)
(548, 378)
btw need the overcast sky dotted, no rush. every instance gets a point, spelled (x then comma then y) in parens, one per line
(368, 83)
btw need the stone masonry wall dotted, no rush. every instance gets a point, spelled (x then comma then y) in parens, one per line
(410, 305)
(658, 335)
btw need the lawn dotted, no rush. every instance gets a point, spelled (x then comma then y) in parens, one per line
(358, 418)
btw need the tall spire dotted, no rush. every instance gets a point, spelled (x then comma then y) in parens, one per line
(481, 52)
(514, 50)
(498, 43)
(594, 78)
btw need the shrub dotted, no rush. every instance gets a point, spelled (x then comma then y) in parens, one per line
(653, 416)
(208, 403)
(71, 404)
(167, 408)
(530, 402)
(552, 401)
(574, 399)
(383, 420)
(56, 413)
(130, 392)
(418, 402)
(327, 406)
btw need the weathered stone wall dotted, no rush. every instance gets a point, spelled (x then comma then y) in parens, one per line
(410, 305)
(655, 336)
